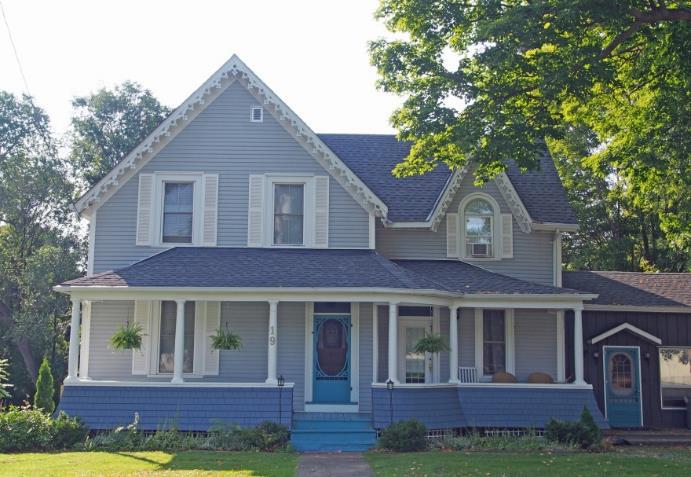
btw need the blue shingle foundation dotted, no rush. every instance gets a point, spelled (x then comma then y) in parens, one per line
(483, 407)
(183, 408)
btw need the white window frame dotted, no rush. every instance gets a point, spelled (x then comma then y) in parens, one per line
(160, 179)
(509, 342)
(677, 386)
(155, 344)
(495, 223)
(308, 203)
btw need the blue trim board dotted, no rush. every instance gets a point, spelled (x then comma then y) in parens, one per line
(184, 408)
(478, 407)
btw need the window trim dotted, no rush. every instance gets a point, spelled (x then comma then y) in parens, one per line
(160, 179)
(495, 223)
(509, 342)
(679, 386)
(155, 342)
(261, 114)
(308, 204)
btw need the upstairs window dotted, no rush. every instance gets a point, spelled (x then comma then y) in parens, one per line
(289, 214)
(178, 211)
(479, 229)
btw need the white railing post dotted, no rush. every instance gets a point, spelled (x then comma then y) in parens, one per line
(578, 345)
(453, 344)
(179, 353)
(393, 342)
(73, 358)
(271, 374)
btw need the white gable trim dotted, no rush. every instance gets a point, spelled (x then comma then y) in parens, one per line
(233, 70)
(627, 327)
(508, 192)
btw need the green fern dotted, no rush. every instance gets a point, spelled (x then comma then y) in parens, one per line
(4, 378)
(225, 339)
(127, 337)
(431, 343)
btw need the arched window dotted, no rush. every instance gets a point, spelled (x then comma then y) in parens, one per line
(479, 228)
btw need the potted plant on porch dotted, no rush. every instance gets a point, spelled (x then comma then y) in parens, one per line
(226, 339)
(431, 343)
(129, 336)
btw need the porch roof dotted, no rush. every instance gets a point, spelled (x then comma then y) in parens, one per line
(257, 268)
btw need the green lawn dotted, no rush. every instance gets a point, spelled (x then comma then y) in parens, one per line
(620, 463)
(240, 464)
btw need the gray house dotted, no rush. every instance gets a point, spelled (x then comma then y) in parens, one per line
(234, 215)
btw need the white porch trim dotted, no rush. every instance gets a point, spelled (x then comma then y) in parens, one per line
(189, 384)
(486, 385)
(627, 327)
(73, 357)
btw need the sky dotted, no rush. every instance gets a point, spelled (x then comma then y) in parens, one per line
(313, 54)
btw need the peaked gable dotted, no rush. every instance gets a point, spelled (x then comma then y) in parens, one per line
(233, 70)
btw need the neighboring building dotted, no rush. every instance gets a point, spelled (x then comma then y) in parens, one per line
(233, 214)
(637, 336)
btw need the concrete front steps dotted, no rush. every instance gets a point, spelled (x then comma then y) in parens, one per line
(322, 432)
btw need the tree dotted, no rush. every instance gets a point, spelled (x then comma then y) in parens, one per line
(43, 399)
(493, 81)
(38, 245)
(107, 125)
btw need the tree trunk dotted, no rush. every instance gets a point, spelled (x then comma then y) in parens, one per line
(22, 343)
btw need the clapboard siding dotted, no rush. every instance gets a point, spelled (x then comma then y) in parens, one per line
(222, 140)
(250, 320)
(106, 318)
(444, 355)
(466, 338)
(536, 343)
(383, 326)
(366, 379)
(291, 349)
(533, 254)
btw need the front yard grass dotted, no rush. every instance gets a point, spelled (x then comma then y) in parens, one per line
(192, 463)
(620, 462)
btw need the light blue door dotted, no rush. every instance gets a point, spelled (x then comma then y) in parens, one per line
(331, 341)
(623, 386)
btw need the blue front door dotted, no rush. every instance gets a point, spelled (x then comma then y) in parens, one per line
(331, 353)
(623, 386)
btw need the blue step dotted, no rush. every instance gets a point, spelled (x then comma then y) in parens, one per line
(318, 432)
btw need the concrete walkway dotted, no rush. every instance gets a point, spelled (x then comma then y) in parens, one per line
(332, 464)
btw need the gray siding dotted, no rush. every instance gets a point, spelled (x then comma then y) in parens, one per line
(291, 349)
(222, 140)
(532, 252)
(444, 355)
(250, 320)
(104, 362)
(466, 338)
(365, 335)
(536, 342)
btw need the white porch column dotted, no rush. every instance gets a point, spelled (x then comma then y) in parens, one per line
(73, 359)
(578, 345)
(453, 345)
(272, 367)
(393, 342)
(178, 356)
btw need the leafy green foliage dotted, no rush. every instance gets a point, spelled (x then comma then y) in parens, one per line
(268, 436)
(23, 429)
(107, 125)
(45, 388)
(129, 336)
(226, 339)
(584, 433)
(529, 441)
(492, 81)
(4, 379)
(67, 431)
(431, 343)
(404, 436)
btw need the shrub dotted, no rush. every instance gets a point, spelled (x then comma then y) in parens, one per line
(584, 433)
(530, 441)
(122, 438)
(67, 431)
(404, 436)
(273, 435)
(24, 429)
(45, 387)
(268, 436)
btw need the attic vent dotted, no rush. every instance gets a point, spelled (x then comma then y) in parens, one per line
(257, 114)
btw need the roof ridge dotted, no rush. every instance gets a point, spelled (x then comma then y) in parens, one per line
(650, 274)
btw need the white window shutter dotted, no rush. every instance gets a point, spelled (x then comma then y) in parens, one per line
(506, 236)
(210, 214)
(321, 211)
(452, 235)
(140, 357)
(213, 322)
(255, 215)
(145, 203)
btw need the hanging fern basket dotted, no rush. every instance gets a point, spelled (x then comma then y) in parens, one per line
(226, 339)
(127, 337)
(431, 343)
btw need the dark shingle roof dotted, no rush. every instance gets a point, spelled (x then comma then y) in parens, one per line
(634, 289)
(372, 157)
(465, 278)
(261, 268)
(256, 268)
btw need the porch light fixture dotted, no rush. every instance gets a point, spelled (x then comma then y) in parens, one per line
(596, 355)
(389, 386)
(281, 382)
